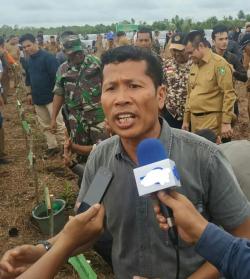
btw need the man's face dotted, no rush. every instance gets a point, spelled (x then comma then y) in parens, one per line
(144, 40)
(130, 100)
(29, 47)
(181, 56)
(13, 41)
(195, 53)
(221, 41)
(76, 58)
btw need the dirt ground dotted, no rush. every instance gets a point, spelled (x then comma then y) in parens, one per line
(17, 192)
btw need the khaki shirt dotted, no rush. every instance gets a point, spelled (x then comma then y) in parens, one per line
(210, 88)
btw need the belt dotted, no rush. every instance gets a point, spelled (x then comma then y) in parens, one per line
(204, 113)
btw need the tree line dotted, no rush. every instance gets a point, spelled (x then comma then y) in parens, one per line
(176, 23)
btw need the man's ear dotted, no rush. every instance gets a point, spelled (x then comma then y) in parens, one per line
(161, 95)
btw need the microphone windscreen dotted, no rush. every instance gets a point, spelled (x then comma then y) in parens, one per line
(150, 151)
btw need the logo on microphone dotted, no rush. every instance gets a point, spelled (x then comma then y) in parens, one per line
(156, 176)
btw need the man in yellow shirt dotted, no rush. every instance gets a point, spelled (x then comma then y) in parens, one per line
(211, 95)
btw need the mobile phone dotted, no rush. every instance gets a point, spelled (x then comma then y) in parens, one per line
(97, 189)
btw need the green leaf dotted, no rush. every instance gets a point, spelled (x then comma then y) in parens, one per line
(26, 127)
(82, 267)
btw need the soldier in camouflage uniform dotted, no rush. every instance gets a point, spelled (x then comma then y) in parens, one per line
(78, 86)
(176, 73)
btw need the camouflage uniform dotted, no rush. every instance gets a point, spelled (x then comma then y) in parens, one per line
(81, 89)
(176, 79)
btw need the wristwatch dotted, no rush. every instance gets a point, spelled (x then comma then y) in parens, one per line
(47, 245)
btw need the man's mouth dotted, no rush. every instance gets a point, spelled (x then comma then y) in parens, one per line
(125, 120)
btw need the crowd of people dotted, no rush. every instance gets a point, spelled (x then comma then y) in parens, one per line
(94, 108)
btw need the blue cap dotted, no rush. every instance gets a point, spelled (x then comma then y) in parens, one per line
(110, 36)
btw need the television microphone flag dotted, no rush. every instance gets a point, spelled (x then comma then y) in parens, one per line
(156, 172)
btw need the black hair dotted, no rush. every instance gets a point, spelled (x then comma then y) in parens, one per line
(27, 37)
(120, 34)
(145, 30)
(195, 38)
(133, 53)
(207, 134)
(219, 29)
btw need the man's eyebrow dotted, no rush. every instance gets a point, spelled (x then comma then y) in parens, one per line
(126, 80)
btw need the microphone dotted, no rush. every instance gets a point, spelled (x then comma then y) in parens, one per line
(157, 172)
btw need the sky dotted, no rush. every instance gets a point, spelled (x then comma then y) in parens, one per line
(77, 12)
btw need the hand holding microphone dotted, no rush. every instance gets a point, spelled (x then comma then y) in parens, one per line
(157, 172)
(188, 220)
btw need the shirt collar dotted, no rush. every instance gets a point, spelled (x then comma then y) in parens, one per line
(165, 137)
(208, 55)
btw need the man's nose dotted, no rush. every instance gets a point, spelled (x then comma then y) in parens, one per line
(122, 96)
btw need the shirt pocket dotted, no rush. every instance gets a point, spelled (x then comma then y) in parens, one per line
(206, 82)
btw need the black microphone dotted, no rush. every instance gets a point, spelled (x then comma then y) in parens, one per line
(97, 189)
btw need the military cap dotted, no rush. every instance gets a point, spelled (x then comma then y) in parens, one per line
(71, 43)
(245, 40)
(177, 42)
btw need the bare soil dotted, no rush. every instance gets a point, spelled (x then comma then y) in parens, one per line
(17, 187)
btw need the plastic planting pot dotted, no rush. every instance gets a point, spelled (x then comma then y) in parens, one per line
(39, 213)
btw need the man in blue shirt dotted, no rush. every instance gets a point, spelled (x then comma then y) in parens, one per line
(40, 77)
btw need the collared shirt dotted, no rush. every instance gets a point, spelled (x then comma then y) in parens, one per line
(176, 79)
(229, 254)
(210, 88)
(139, 246)
(238, 154)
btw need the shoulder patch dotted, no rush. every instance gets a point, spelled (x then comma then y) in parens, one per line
(222, 70)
